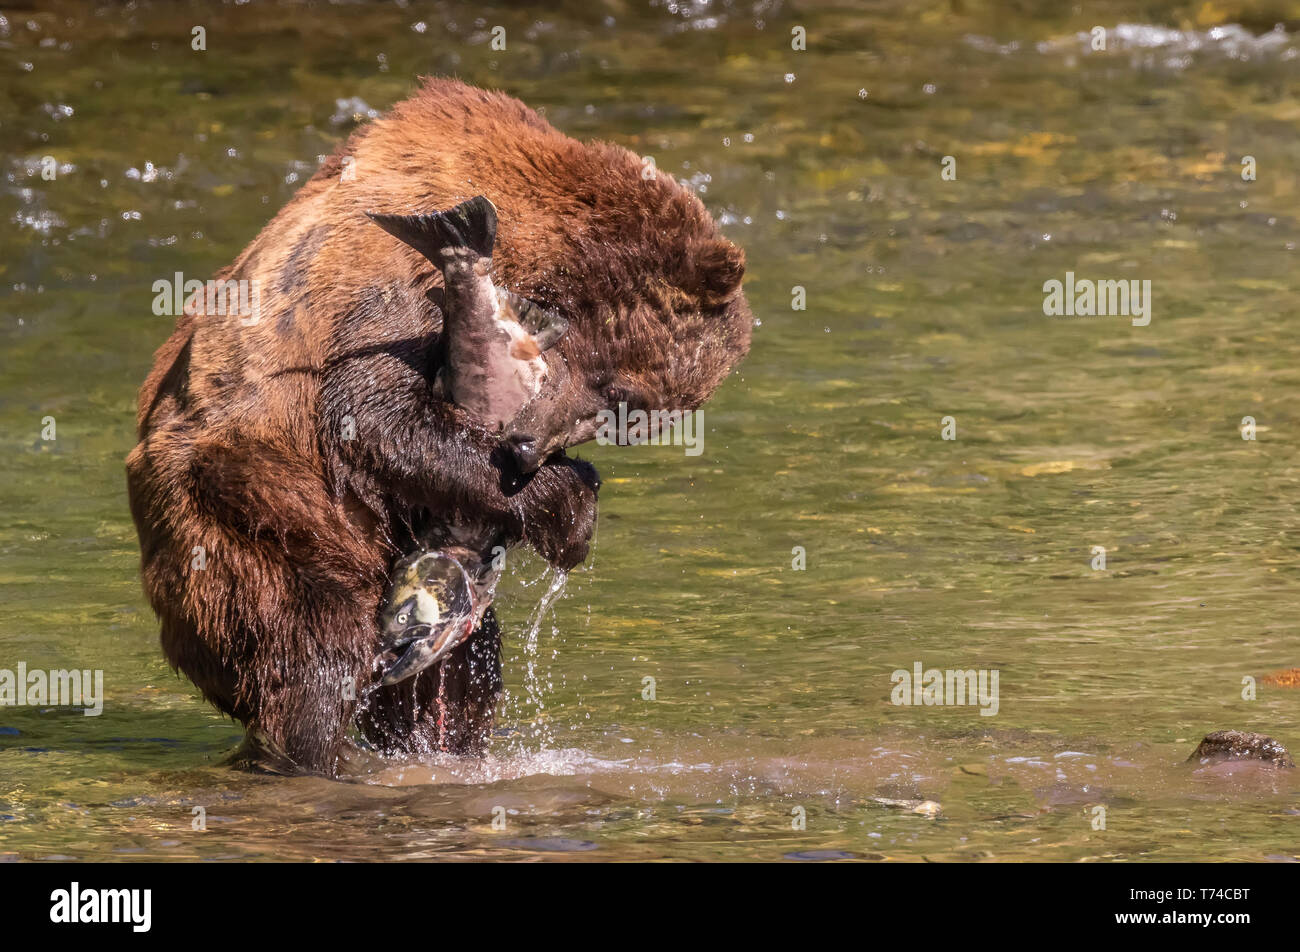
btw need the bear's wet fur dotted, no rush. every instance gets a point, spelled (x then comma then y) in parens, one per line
(287, 459)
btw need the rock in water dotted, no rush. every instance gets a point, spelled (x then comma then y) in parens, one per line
(1240, 745)
(929, 808)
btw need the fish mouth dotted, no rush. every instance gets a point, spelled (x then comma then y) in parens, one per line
(413, 648)
(430, 648)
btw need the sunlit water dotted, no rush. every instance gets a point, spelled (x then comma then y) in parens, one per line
(771, 687)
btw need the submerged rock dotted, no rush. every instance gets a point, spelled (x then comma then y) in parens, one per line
(1241, 745)
(929, 808)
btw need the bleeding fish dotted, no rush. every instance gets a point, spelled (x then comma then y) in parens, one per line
(433, 605)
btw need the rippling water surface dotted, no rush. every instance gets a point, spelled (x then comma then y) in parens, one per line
(924, 300)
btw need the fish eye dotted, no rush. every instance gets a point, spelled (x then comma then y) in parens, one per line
(401, 619)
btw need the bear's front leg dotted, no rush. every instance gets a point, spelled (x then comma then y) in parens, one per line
(301, 723)
(406, 449)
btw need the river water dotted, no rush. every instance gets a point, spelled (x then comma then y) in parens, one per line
(771, 733)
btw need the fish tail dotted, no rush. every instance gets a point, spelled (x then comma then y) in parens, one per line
(470, 226)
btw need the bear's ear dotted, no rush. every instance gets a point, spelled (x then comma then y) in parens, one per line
(718, 266)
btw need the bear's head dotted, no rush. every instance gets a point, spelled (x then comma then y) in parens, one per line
(630, 257)
(651, 290)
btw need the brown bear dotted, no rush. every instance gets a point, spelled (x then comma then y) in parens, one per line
(287, 458)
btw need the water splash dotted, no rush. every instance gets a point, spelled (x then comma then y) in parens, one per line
(494, 767)
(534, 689)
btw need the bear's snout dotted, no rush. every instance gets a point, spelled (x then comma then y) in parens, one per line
(525, 453)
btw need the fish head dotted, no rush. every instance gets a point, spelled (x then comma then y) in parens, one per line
(430, 590)
(409, 619)
(432, 609)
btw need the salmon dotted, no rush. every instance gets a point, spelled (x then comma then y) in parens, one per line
(494, 338)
